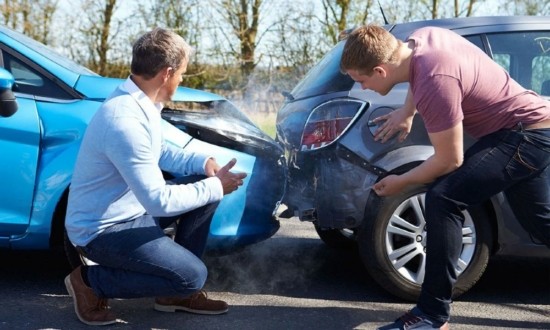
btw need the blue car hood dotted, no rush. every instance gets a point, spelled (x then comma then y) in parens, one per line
(99, 88)
(225, 125)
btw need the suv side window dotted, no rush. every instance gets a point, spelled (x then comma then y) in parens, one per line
(476, 40)
(526, 56)
(31, 81)
(541, 69)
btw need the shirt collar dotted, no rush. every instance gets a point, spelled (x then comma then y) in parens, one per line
(143, 100)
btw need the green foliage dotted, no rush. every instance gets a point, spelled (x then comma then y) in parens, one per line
(112, 69)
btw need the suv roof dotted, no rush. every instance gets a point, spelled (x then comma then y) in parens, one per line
(402, 30)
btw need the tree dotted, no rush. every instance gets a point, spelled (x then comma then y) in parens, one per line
(435, 4)
(336, 17)
(95, 39)
(526, 7)
(33, 18)
(243, 16)
(339, 15)
(183, 17)
(99, 32)
(447, 9)
(467, 11)
(293, 45)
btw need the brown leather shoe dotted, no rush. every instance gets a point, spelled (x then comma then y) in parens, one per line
(89, 308)
(197, 303)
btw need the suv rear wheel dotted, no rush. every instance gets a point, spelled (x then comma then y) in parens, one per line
(392, 244)
(337, 238)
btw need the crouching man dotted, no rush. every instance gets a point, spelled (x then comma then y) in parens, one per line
(119, 201)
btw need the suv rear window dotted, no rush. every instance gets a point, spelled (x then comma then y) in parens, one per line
(325, 77)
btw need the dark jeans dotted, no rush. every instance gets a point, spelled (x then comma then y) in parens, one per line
(513, 161)
(137, 259)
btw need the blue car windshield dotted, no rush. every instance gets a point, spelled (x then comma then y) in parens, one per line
(47, 52)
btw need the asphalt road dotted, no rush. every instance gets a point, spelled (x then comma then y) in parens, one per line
(291, 281)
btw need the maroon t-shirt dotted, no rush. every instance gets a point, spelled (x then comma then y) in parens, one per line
(452, 80)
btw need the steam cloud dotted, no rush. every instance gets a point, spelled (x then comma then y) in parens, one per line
(276, 265)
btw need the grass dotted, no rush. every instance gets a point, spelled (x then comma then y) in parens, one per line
(265, 121)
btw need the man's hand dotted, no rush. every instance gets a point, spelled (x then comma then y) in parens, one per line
(398, 121)
(211, 167)
(390, 185)
(230, 181)
(448, 156)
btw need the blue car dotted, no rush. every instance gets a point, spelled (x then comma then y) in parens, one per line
(56, 99)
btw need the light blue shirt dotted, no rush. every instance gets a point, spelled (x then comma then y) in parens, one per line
(118, 177)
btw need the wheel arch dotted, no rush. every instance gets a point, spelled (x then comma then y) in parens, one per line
(55, 175)
(398, 161)
(58, 220)
(490, 211)
(404, 158)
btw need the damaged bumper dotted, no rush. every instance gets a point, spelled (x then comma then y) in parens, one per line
(336, 192)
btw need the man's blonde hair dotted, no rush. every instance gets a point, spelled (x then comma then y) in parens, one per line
(367, 47)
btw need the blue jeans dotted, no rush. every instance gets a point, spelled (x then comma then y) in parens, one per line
(516, 162)
(136, 258)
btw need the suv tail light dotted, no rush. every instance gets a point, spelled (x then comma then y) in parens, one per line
(328, 122)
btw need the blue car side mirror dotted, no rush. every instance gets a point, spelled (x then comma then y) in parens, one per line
(8, 104)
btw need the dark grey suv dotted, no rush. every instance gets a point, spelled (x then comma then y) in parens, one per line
(326, 130)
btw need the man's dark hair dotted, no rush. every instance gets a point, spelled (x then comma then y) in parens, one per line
(156, 50)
